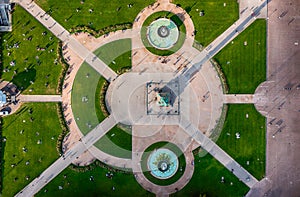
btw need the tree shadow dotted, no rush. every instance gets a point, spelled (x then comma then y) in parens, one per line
(176, 19)
(189, 8)
(24, 79)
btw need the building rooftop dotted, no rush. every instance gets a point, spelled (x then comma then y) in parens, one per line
(5, 16)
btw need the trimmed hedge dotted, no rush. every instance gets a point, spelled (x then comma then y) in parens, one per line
(103, 31)
(64, 127)
(65, 67)
(96, 164)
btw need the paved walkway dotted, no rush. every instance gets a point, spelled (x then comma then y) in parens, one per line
(220, 42)
(250, 4)
(239, 98)
(59, 165)
(62, 34)
(40, 98)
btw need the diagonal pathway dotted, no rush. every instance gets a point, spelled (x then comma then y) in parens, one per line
(219, 43)
(61, 33)
(66, 159)
(218, 153)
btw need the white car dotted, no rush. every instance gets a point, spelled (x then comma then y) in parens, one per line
(3, 112)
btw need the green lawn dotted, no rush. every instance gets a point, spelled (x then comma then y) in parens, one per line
(245, 66)
(83, 98)
(116, 54)
(216, 19)
(176, 20)
(207, 180)
(80, 185)
(252, 143)
(116, 142)
(31, 65)
(45, 127)
(104, 13)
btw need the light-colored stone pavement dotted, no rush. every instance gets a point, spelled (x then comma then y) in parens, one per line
(62, 34)
(59, 165)
(250, 5)
(92, 43)
(238, 98)
(40, 98)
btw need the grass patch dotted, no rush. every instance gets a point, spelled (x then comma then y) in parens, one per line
(252, 144)
(95, 14)
(45, 127)
(216, 19)
(116, 142)
(245, 66)
(116, 54)
(181, 164)
(83, 98)
(78, 184)
(207, 177)
(33, 70)
(176, 20)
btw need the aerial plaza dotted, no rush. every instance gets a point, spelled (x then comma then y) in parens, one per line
(171, 105)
